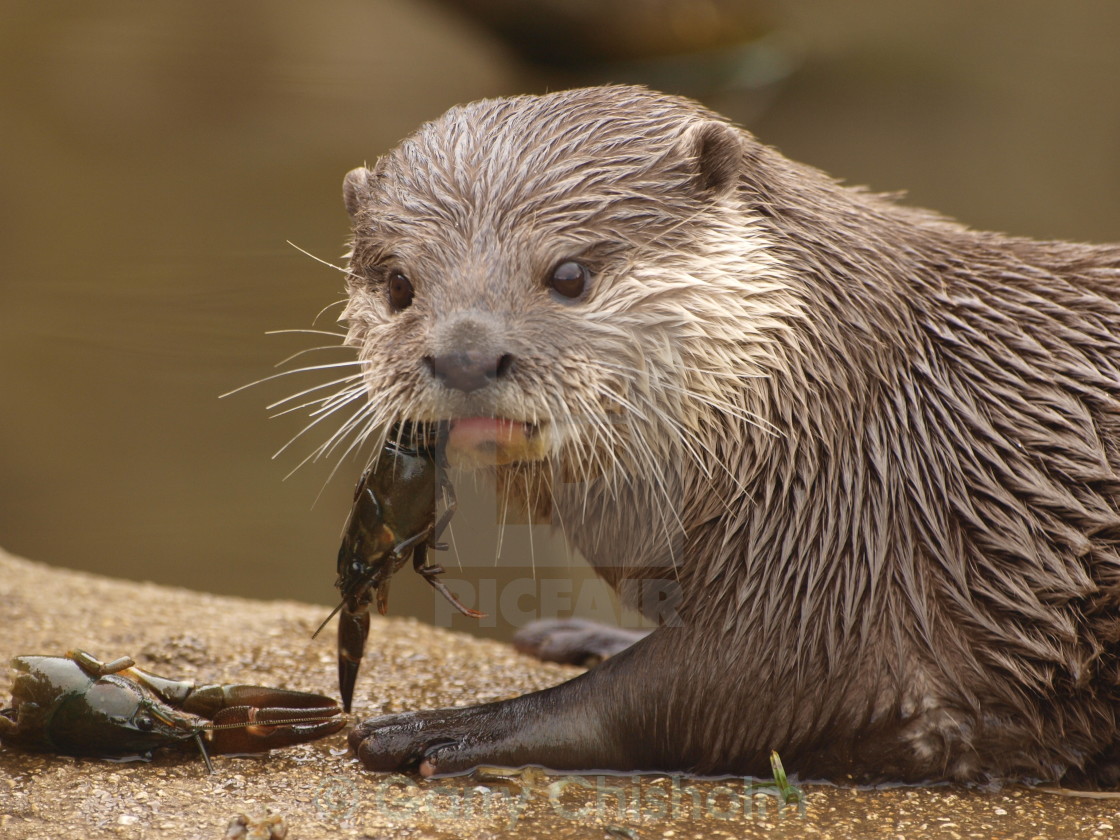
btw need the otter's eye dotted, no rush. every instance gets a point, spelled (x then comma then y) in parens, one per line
(569, 279)
(400, 291)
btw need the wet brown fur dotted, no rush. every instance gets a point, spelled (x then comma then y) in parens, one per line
(878, 452)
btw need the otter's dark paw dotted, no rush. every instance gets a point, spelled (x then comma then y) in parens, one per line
(443, 741)
(573, 641)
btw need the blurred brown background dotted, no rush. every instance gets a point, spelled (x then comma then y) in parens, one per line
(157, 156)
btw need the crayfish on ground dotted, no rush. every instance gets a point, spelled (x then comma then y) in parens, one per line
(79, 705)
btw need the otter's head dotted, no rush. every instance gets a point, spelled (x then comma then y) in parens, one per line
(567, 276)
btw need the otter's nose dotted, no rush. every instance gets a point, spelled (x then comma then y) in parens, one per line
(469, 370)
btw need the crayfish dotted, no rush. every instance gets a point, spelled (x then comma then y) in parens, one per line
(78, 705)
(393, 517)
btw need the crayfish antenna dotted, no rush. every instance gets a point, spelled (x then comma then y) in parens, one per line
(334, 612)
(205, 755)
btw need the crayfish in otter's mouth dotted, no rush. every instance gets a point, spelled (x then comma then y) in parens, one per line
(393, 517)
(78, 705)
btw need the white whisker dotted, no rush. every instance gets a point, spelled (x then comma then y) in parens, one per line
(284, 373)
(330, 333)
(315, 454)
(321, 261)
(355, 377)
(340, 302)
(306, 350)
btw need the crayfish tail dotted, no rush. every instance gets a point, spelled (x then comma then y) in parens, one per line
(353, 628)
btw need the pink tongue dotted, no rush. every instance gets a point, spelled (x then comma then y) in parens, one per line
(471, 432)
(477, 441)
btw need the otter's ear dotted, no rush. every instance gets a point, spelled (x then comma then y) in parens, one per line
(355, 187)
(717, 151)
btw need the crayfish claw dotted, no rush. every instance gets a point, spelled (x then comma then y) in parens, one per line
(256, 718)
(249, 729)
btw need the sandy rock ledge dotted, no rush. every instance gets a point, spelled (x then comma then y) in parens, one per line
(321, 791)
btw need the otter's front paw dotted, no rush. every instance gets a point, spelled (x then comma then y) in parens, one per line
(443, 741)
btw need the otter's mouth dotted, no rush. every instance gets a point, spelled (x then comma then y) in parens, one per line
(493, 441)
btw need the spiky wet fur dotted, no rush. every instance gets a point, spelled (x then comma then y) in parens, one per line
(879, 452)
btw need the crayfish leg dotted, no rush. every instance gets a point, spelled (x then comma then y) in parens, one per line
(95, 667)
(205, 755)
(430, 574)
(383, 597)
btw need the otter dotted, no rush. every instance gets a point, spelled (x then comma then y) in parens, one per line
(860, 462)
